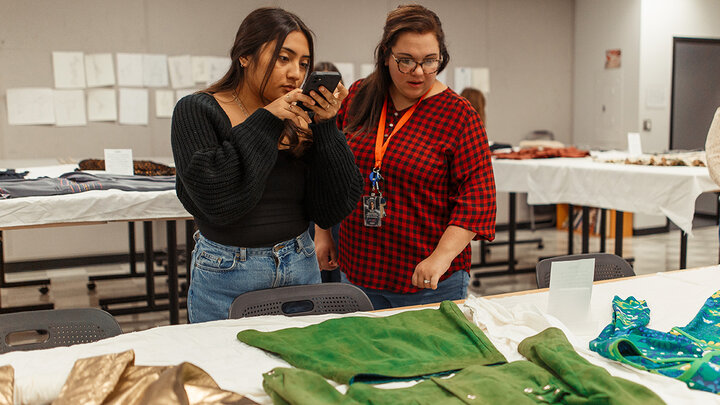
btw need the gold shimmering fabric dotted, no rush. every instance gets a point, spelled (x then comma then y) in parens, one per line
(113, 379)
(7, 382)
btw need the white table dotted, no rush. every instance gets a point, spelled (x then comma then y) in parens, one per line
(655, 190)
(95, 207)
(674, 299)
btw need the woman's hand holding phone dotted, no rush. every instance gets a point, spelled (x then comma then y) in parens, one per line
(286, 108)
(327, 104)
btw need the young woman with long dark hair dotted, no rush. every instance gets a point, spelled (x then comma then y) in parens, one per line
(431, 189)
(253, 168)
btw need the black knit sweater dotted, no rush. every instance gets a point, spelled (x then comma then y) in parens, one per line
(222, 170)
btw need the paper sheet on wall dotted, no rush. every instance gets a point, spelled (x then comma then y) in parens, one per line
(634, 145)
(69, 70)
(119, 161)
(199, 69)
(129, 69)
(442, 77)
(347, 70)
(69, 108)
(101, 105)
(99, 70)
(216, 68)
(570, 292)
(481, 79)
(133, 106)
(164, 103)
(155, 70)
(182, 93)
(30, 106)
(365, 70)
(181, 71)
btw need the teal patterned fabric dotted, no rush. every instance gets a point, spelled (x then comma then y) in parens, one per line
(690, 353)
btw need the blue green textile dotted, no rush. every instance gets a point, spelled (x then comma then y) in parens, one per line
(690, 353)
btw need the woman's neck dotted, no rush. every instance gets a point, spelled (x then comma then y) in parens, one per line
(401, 102)
(249, 98)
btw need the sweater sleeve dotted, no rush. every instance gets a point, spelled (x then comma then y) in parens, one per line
(712, 148)
(334, 182)
(221, 171)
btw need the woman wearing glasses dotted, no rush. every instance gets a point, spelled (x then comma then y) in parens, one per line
(429, 187)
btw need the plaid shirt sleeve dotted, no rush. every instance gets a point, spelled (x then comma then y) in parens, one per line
(471, 175)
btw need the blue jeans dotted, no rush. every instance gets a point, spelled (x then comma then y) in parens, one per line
(220, 273)
(453, 288)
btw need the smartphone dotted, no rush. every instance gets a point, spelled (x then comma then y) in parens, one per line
(329, 80)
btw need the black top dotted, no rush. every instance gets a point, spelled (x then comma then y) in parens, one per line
(234, 181)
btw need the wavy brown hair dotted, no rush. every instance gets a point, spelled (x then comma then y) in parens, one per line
(476, 99)
(261, 27)
(364, 112)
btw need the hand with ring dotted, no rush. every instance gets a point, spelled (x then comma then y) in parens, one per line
(286, 108)
(327, 104)
(428, 272)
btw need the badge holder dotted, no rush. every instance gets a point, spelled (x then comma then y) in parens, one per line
(374, 204)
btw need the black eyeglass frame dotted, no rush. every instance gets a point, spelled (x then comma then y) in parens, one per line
(397, 61)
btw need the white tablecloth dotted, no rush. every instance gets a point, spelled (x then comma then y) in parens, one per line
(674, 299)
(655, 190)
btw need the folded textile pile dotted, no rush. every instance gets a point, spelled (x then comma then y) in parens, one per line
(542, 153)
(141, 167)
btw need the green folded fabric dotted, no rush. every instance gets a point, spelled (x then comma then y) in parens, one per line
(402, 346)
(555, 374)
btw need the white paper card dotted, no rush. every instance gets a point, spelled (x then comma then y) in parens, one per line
(69, 108)
(347, 71)
(570, 292)
(365, 70)
(130, 69)
(119, 161)
(199, 69)
(182, 93)
(155, 70)
(164, 103)
(462, 78)
(69, 70)
(634, 145)
(30, 106)
(442, 77)
(181, 71)
(99, 70)
(655, 98)
(101, 105)
(481, 79)
(216, 68)
(133, 106)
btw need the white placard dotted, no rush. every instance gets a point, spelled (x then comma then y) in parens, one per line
(69, 108)
(655, 98)
(481, 79)
(101, 105)
(199, 69)
(570, 292)
(133, 106)
(365, 70)
(69, 70)
(129, 69)
(216, 67)
(99, 70)
(462, 79)
(155, 70)
(634, 145)
(347, 71)
(182, 93)
(119, 161)
(442, 77)
(181, 71)
(30, 106)
(164, 103)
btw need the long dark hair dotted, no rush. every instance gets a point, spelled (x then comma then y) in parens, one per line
(364, 112)
(260, 27)
(476, 99)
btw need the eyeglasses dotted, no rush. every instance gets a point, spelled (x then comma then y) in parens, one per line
(408, 65)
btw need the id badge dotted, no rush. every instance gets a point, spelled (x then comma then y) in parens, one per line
(372, 215)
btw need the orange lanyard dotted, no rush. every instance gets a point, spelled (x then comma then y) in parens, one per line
(381, 146)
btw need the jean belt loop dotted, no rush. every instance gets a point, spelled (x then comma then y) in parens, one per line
(243, 254)
(196, 236)
(299, 242)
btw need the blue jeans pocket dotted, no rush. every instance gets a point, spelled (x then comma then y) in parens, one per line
(213, 258)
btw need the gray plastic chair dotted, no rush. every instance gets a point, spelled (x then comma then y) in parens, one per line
(63, 327)
(339, 298)
(607, 266)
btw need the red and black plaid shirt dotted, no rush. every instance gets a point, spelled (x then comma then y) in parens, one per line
(437, 172)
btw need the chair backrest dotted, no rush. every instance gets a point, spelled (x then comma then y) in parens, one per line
(57, 327)
(297, 300)
(607, 266)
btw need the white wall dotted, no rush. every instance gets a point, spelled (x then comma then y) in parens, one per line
(526, 44)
